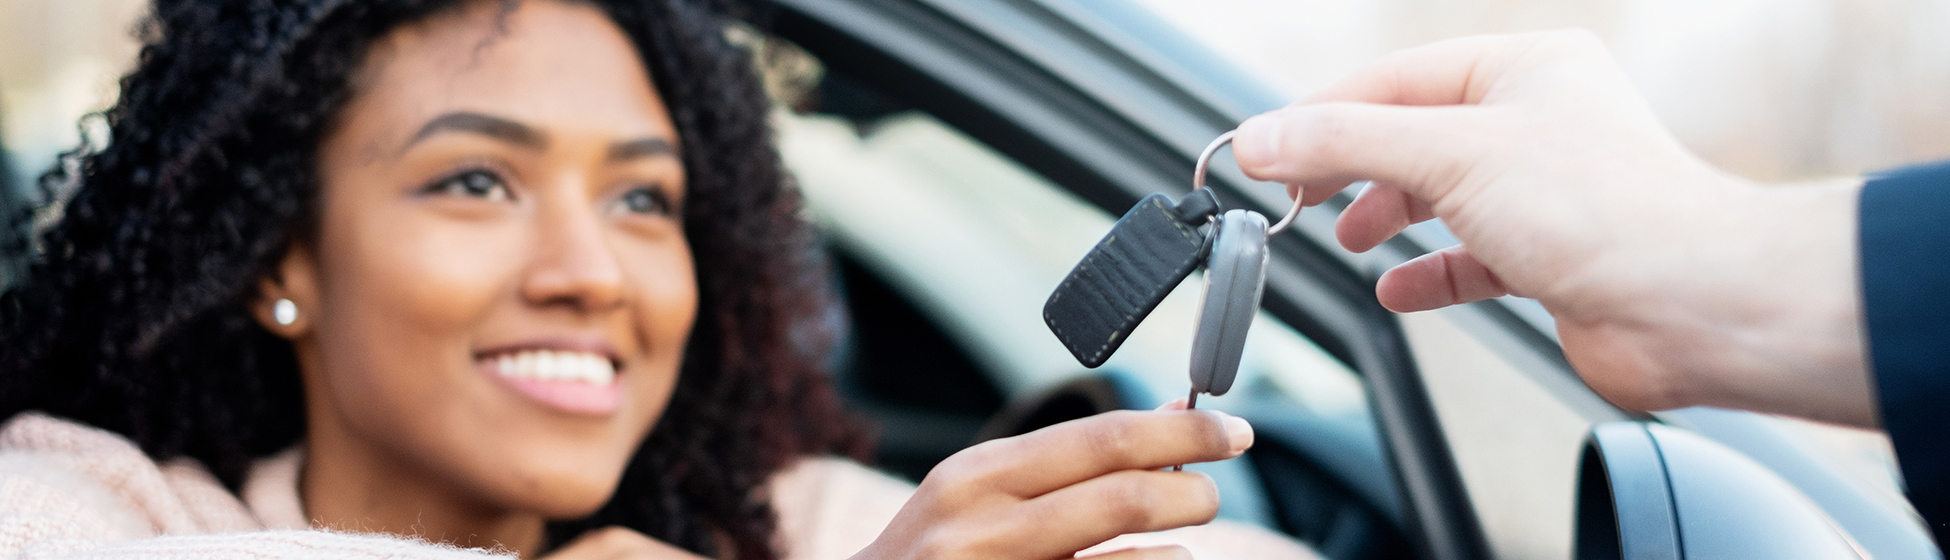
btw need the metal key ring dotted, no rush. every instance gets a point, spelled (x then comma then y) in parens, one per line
(1198, 179)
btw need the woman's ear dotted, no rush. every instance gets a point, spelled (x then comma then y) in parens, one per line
(287, 299)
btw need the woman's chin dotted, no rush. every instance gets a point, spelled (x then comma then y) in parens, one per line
(570, 495)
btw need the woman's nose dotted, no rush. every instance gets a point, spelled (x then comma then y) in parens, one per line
(573, 263)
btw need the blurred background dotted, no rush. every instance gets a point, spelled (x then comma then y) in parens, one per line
(1770, 89)
(59, 60)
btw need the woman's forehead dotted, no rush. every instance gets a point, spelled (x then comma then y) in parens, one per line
(550, 64)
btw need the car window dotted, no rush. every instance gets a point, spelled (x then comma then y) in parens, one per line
(979, 242)
(976, 242)
(947, 249)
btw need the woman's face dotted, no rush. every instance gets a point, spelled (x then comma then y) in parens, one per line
(498, 295)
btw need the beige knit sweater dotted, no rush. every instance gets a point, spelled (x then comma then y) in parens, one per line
(73, 491)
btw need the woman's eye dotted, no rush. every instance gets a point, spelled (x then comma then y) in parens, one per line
(648, 201)
(474, 184)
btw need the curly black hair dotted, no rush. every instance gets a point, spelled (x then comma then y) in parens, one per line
(131, 315)
(15, 218)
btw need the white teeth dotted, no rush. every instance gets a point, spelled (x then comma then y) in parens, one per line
(504, 365)
(524, 365)
(602, 372)
(545, 365)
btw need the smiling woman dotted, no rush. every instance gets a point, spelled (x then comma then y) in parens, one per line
(483, 243)
(483, 221)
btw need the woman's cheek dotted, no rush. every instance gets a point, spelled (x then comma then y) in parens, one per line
(410, 290)
(666, 278)
(449, 277)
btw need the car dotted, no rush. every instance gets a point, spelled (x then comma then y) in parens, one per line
(959, 156)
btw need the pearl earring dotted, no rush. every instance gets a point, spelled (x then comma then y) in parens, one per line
(284, 312)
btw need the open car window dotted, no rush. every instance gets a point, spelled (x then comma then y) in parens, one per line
(948, 239)
(974, 243)
(979, 242)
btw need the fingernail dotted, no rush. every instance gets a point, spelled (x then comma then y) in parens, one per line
(1238, 433)
(1257, 144)
(1176, 404)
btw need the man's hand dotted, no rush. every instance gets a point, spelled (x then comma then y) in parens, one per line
(1673, 283)
(1065, 488)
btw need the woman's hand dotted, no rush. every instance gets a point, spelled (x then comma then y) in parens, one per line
(619, 543)
(1673, 283)
(1061, 489)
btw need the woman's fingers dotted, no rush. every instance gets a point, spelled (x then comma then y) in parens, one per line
(1065, 488)
(1099, 509)
(1171, 552)
(1377, 214)
(1439, 279)
(1038, 462)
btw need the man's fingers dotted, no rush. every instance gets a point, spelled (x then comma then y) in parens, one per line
(1038, 462)
(1409, 120)
(1436, 280)
(1096, 510)
(1377, 214)
(1167, 552)
(1453, 72)
(1421, 150)
(1311, 197)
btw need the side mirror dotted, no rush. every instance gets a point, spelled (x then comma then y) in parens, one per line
(1648, 491)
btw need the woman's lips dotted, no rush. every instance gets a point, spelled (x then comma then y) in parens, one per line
(574, 382)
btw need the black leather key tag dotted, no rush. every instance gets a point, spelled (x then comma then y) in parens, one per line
(1150, 250)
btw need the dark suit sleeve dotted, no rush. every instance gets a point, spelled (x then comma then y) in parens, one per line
(1906, 305)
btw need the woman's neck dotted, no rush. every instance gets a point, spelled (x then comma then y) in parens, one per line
(346, 486)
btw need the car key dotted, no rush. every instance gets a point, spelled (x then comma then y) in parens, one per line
(1147, 253)
(1150, 250)
(1235, 278)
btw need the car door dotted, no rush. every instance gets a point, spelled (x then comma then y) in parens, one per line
(1039, 89)
(1474, 416)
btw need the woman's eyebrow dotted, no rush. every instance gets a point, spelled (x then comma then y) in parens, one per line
(640, 148)
(486, 125)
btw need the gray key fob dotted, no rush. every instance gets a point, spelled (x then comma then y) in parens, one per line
(1150, 250)
(1235, 276)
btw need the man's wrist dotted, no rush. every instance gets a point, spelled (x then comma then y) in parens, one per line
(1788, 310)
